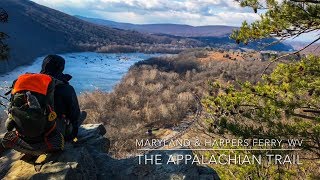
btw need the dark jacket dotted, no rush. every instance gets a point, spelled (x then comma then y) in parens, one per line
(66, 104)
(65, 100)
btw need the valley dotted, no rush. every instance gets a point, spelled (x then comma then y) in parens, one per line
(168, 100)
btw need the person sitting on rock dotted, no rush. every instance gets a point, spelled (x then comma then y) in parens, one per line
(65, 98)
(43, 112)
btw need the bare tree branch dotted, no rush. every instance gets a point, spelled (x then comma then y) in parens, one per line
(4, 97)
(286, 55)
(273, 43)
(312, 111)
(1, 104)
(307, 1)
(3, 15)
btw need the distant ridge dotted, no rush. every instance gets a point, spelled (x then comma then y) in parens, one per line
(214, 36)
(171, 29)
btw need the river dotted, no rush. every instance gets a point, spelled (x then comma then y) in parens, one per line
(91, 71)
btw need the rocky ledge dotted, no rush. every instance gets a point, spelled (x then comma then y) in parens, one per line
(88, 159)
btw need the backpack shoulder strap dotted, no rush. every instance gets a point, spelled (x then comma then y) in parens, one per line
(51, 88)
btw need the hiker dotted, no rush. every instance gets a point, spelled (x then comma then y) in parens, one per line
(44, 110)
(65, 98)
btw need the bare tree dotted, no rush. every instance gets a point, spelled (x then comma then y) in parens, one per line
(4, 49)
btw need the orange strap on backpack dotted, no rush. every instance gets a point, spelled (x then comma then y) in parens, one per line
(47, 134)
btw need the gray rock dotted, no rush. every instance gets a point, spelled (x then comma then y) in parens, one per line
(88, 159)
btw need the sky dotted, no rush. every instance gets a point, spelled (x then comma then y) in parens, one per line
(191, 12)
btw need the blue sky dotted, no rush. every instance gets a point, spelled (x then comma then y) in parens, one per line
(191, 12)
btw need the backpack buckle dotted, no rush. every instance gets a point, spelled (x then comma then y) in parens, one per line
(52, 115)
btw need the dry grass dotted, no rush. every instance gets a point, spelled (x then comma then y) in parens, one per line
(158, 94)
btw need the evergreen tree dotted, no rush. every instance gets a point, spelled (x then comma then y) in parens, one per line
(284, 104)
(282, 19)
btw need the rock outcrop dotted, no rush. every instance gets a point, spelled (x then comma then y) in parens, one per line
(88, 159)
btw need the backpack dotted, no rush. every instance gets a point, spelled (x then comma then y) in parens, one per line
(32, 105)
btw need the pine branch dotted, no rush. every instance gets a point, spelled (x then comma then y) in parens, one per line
(286, 55)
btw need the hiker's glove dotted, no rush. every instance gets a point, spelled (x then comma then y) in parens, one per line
(74, 133)
(69, 138)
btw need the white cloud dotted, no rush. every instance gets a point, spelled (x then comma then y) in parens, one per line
(193, 12)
